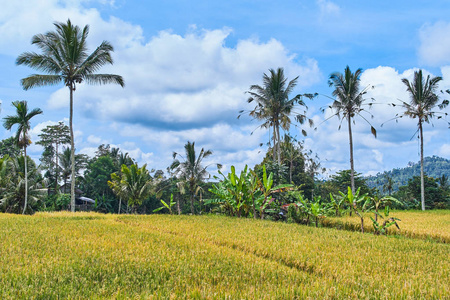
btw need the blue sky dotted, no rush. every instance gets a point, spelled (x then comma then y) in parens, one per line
(187, 65)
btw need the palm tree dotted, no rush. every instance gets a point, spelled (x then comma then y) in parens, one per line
(18, 186)
(388, 185)
(191, 171)
(134, 184)
(348, 103)
(274, 107)
(22, 119)
(423, 100)
(65, 59)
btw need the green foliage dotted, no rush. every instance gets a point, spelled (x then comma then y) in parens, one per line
(382, 228)
(133, 185)
(13, 186)
(9, 147)
(168, 205)
(435, 197)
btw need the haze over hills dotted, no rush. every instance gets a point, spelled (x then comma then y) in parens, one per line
(434, 166)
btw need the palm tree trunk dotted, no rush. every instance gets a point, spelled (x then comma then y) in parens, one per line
(72, 152)
(177, 199)
(278, 145)
(192, 203)
(274, 152)
(352, 167)
(26, 175)
(120, 204)
(56, 169)
(422, 182)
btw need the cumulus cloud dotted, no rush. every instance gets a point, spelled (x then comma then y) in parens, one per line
(434, 48)
(176, 81)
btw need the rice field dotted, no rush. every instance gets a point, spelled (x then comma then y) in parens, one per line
(433, 224)
(88, 255)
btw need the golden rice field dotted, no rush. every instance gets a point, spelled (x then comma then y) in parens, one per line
(93, 256)
(434, 224)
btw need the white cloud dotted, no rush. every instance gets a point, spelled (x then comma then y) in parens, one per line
(328, 7)
(434, 49)
(191, 80)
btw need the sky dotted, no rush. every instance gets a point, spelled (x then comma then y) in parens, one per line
(188, 64)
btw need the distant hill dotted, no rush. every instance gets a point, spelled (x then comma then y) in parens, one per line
(434, 166)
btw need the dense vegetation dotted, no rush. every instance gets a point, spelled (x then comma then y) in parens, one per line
(434, 167)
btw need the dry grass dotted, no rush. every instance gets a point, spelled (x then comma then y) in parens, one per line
(87, 255)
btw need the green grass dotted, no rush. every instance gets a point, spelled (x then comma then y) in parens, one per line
(82, 255)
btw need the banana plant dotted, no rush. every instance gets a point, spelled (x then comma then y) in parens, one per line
(265, 186)
(336, 205)
(358, 203)
(233, 192)
(376, 203)
(166, 205)
(382, 228)
(317, 210)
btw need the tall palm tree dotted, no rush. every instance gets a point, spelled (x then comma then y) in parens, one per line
(22, 120)
(191, 171)
(274, 107)
(65, 59)
(423, 99)
(348, 103)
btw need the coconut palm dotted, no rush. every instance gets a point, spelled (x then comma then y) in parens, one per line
(348, 103)
(133, 185)
(65, 59)
(190, 171)
(423, 100)
(22, 120)
(19, 188)
(274, 107)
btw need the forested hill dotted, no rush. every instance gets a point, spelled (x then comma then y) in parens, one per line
(434, 167)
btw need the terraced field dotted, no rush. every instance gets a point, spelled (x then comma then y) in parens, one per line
(88, 255)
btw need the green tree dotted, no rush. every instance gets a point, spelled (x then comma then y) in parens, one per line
(51, 138)
(65, 162)
(423, 101)
(22, 120)
(348, 103)
(342, 180)
(65, 59)
(274, 107)
(9, 147)
(435, 197)
(96, 176)
(191, 171)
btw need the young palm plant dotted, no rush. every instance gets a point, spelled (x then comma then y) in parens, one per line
(423, 101)
(65, 59)
(348, 103)
(22, 120)
(274, 107)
